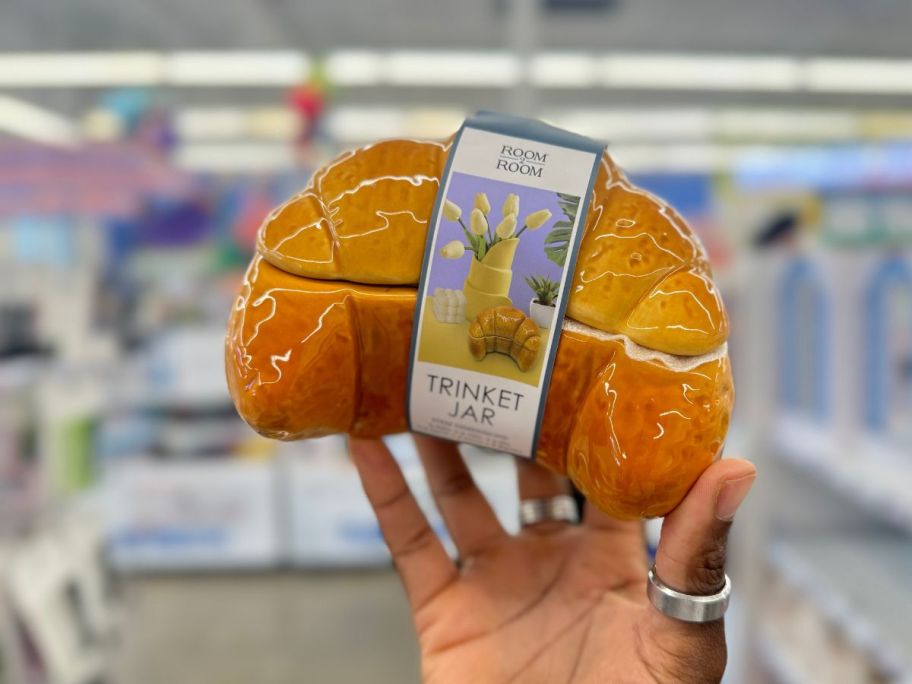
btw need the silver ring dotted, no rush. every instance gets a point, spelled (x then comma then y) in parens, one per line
(561, 508)
(687, 607)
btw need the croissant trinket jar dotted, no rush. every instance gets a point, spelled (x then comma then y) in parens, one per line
(508, 331)
(640, 392)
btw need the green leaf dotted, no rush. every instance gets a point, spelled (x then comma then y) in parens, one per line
(558, 235)
(558, 256)
(557, 244)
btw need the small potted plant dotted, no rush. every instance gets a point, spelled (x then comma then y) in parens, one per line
(542, 307)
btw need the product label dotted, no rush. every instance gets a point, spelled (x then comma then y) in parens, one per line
(501, 250)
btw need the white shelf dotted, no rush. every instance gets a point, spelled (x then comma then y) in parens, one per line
(861, 585)
(874, 475)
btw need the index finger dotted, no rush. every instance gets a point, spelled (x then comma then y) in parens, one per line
(418, 554)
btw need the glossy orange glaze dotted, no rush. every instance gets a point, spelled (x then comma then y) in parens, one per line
(643, 273)
(363, 217)
(632, 428)
(632, 432)
(640, 271)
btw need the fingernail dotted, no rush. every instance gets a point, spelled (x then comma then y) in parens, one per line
(731, 495)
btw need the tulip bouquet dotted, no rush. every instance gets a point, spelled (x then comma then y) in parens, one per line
(479, 238)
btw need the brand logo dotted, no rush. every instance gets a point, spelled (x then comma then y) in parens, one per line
(526, 162)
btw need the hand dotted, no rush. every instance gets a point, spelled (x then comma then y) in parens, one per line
(557, 602)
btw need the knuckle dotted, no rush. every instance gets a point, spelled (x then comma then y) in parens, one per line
(708, 574)
(420, 539)
(454, 484)
(391, 502)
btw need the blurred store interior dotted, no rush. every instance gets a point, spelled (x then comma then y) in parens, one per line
(149, 536)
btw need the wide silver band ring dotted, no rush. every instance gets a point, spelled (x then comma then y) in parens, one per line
(560, 508)
(687, 607)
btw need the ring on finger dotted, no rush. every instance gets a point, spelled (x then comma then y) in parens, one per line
(560, 508)
(687, 607)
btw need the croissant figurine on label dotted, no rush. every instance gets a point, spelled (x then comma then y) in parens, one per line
(641, 390)
(506, 330)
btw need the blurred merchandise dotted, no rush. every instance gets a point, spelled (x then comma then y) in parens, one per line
(331, 524)
(58, 615)
(192, 515)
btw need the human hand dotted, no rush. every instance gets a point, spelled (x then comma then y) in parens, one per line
(556, 602)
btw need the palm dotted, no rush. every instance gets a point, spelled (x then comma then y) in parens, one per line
(555, 603)
(568, 606)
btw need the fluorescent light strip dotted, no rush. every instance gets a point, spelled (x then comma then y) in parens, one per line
(872, 76)
(237, 68)
(80, 69)
(433, 68)
(449, 68)
(563, 70)
(112, 69)
(700, 72)
(440, 69)
(354, 68)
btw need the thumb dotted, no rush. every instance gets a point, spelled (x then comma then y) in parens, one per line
(691, 553)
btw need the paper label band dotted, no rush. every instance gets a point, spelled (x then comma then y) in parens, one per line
(500, 253)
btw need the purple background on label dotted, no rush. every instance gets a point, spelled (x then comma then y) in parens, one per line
(530, 255)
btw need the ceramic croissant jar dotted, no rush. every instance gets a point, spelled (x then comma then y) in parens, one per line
(641, 392)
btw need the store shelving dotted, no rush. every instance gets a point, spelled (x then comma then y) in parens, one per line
(860, 585)
(871, 473)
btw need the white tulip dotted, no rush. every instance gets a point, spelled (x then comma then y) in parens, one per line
(481, 202)
(510, 205)
(507, 227)
(478, 224)
(451, 211)
(537, 219)
(453, 250)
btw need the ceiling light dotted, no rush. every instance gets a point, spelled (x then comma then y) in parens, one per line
(888, 76)
(353, 68)
(79, 69)
(237, 68)
(440, 69)
(695, 72)
(563, 70)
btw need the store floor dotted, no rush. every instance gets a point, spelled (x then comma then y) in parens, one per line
(274, 628)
